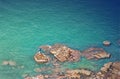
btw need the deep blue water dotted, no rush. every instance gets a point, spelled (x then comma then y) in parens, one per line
(79, 24)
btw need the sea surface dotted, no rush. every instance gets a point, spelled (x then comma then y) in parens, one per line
(79, 24)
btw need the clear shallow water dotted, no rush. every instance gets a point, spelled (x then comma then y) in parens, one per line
(25, 25)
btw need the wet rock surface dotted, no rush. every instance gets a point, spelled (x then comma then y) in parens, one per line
(64, 53)
(95, 53)
(110, 71)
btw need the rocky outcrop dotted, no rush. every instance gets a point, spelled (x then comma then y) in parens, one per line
(41, 58)
(95, 53)
(109, 71)
(106, 67)
(64, 53)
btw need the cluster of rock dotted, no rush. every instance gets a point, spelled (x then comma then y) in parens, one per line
(95, 53)
(60, 52)
(64, 53)
(108, 71)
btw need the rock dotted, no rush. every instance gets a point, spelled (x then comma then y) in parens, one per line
(28, 77)
(12, 63)
(78, 74)
(116, 65)
(46, 48)
(81, 71)
(74, 55)
(101, 55)
(110, 71)
(39, 77)
(106, 43)
(99, 75)
(106, 67)
(115, 70)
(46, 76)
(85, 72)
(37, 70)
(5, 62)
(35, 77)
(95, 53)
(41, 58)
(73, 76)
(64, 53)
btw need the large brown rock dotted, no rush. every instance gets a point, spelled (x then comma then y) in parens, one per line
(106, 67)
(95, 53)
(110, 71)
(64, 53)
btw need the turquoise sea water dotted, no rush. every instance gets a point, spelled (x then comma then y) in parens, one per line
(79, 24)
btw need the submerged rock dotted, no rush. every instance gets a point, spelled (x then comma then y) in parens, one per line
(64, 53)
(45, 48)
(37, 70)
(10, 62)
(110, 70)
(41, 58)
(5, 62)
(95, 53)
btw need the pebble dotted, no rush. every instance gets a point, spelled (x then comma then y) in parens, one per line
(106, 43)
